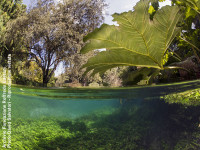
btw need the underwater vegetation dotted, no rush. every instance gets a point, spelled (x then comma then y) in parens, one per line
(187, 98)
(149, 125)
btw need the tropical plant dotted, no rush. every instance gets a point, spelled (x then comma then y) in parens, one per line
(137, 41)
(187, 45)
(189, 39)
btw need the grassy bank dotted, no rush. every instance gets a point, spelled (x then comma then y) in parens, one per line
(187, 98)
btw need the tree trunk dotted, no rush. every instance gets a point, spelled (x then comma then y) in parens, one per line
(47, 75)
(45, 81)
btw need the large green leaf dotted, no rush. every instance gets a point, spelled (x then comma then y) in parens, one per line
(140, 75)
(137, 41)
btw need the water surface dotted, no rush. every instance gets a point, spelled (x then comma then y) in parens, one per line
(103, 118)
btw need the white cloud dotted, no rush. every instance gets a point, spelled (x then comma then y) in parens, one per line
(118, 6)
(58, 1)
(167, 2)
(127, 7)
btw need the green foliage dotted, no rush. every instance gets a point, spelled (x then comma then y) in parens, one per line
(189, 38)
(187, 98)
(73, 72)
(35, 131)
(12, 9)
(137, 41)
(141, 76)
(9, 10)
(151, 124)
(1, 74)
(119, 41)
(27, 74)
(187, 45)
(51, 33)
(151, 10)
(193, 4)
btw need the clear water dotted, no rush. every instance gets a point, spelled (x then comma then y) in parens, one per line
(104, 118)
(73, 103)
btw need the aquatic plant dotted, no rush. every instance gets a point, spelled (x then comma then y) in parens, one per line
(152, 125)
(187, 98)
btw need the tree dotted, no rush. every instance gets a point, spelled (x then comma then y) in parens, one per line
(75, 73)
(27, 74)
(9, 10)
(112, 77)
(51, 33)
(88, 19)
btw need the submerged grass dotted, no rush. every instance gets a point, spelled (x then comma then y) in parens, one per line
(135, 125)
(152, 125)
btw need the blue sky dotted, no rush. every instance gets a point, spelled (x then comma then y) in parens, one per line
(114, 6)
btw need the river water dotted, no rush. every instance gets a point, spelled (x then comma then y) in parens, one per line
(103, 119)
